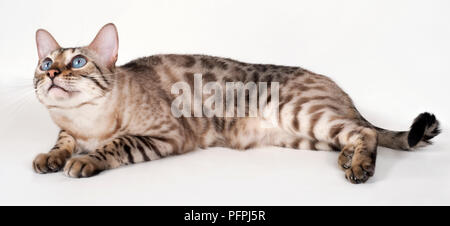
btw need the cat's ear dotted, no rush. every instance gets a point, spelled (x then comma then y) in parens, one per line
(106, 45)
(45, 43)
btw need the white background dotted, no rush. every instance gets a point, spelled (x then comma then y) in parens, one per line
(392, 57)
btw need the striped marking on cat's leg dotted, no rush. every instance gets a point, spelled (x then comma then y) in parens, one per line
(124, 150)
(358, 144)
(54, 160)
(358, 156)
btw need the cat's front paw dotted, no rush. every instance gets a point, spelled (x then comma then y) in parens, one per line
(48, 163)
(359, 173)
(81, 167)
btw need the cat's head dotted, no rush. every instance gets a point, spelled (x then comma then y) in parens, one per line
(69, 77)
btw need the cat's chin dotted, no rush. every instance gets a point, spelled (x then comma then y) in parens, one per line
(60, 94)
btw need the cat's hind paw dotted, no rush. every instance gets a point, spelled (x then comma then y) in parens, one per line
(359, 173)
(345, 159)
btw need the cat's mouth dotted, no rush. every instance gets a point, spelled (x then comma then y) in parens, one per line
(54, 86)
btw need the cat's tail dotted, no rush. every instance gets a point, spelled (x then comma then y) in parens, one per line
(423, 129)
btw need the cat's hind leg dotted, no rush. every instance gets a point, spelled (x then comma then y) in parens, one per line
(358, 155)
(357, 144)
(327, 126)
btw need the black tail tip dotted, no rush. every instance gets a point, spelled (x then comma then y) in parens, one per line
(424, 128)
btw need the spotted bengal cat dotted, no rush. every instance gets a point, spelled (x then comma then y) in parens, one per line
(112, 116)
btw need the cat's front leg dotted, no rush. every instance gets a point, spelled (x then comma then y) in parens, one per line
(54, 160)
(121, 151)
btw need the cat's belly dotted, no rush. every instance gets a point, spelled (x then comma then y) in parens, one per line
(263, 130)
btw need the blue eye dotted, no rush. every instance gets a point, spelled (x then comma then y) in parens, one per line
(46, 64)
(78, 62)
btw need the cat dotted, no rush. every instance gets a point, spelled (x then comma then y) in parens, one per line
(112, 116)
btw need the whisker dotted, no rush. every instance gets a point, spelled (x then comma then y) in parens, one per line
(16, 100)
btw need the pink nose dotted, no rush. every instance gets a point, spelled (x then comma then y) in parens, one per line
(52, 73)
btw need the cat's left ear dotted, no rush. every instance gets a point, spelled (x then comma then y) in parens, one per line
(106, 45)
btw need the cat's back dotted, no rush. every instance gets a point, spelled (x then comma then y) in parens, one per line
(178, 67)
(160, 72)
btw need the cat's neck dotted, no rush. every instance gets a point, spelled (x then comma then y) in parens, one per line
(91, 119)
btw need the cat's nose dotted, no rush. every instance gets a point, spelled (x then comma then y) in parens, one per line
(52, 73)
